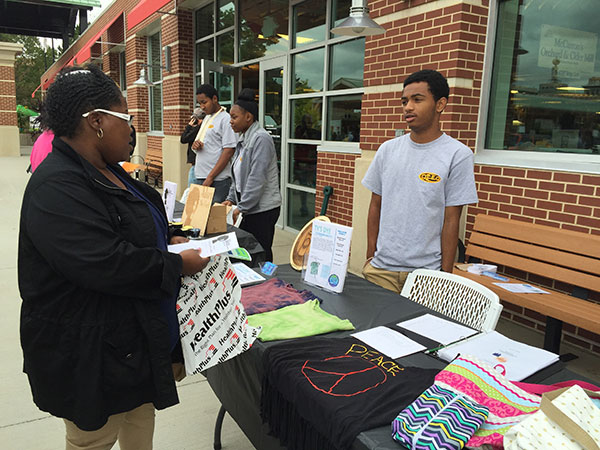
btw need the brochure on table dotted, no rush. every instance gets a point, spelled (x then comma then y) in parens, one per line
(514, 360)
(246, 275)
(327, 259)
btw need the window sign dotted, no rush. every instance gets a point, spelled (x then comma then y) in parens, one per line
(545, 90)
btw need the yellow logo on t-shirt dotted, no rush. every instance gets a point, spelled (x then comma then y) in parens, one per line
(211, 126)
(429, 177)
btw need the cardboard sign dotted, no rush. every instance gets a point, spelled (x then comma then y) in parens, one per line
(217, 219)
(212, 321)
(197, 207)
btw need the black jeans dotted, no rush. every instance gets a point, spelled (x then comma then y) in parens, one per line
(262, 226)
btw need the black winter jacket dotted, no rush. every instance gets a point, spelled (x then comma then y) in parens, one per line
(188, 137)
(91, 278)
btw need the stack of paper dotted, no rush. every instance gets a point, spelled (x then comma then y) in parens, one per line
(514, 360)
(246, 275)
(389, 342)
(437, 329)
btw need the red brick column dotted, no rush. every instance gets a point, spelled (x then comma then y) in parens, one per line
(9, 130)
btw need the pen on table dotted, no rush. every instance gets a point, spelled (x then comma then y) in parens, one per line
(433, 350)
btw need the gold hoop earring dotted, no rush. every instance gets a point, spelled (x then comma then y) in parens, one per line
(100, 133)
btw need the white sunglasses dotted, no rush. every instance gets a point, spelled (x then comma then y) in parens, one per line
(126, 117)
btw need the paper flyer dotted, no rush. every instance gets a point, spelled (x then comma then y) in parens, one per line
(169, 193)
(208, 247)
(246, 275)
(328, 255)
(212, 322)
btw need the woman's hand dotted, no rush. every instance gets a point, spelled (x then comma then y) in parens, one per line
(227, 203)
(192, 262)
(197, 145)
(193, 121)
(178, 240)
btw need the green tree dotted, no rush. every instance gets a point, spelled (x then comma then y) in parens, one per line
(29, 67)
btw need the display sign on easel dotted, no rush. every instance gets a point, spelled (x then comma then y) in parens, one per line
(327, 260)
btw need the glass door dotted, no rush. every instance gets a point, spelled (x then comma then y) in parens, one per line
(225, 79)
(273, 115)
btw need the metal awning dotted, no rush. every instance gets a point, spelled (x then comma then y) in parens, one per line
(44, 18)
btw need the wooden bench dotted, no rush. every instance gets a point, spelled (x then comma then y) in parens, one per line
(154, 166)
(568, 257)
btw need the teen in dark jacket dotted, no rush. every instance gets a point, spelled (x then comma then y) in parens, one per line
(188, 136)
(97, 283)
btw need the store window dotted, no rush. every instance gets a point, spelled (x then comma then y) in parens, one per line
(309, 22)
(123, 73)
(215, 39)
(545, 85)
(307, 69)
(155, 75)
(263, 31)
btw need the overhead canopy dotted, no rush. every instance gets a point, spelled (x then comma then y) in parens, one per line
(44, 18)
(86, 52)
(143, 10)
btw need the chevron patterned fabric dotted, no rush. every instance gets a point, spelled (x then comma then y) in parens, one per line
(438, 419)
(507, 403)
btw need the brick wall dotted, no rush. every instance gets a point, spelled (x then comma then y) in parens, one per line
(336, 170)
(450, 40)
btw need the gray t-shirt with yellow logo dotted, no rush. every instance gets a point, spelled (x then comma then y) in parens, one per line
(416, 182)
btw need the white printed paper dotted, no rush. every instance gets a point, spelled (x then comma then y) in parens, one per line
(169, 193)
(246, 275)
(212, 322)
(514, 360)
(208, 247)
(521, 288)
(328, 255)
(389, 342)
(435, 328)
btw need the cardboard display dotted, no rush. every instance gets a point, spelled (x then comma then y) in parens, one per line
(197, 207)
(217, 219)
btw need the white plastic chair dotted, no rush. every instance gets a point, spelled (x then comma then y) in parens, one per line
(456, 297)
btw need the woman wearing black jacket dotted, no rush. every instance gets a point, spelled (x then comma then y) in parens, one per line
(98, 321)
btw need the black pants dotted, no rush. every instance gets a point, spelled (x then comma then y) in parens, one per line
(262, 226)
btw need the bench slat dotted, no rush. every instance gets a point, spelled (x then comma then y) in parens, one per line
(571, 241)
(543, 254)
(578, 312)
(573, 277)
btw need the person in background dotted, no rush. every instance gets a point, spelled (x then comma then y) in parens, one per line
(188, 136)
(419, 184)
(41, 147)
(255, 187)
(214, 144)
(98, 320)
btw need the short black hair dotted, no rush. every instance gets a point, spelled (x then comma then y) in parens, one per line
(438, 85)
(75, 91)
(207, 90)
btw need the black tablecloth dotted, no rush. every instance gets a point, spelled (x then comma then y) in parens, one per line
(237, 382)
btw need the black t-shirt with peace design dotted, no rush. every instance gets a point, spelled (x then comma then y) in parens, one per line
(320, 393)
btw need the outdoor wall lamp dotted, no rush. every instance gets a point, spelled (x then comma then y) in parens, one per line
(358, 23)
(143, 79)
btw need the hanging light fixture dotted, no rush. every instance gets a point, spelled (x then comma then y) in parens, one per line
(358, 23)
(143, 80)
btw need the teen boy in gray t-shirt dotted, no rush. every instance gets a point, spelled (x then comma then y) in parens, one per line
(419, 184)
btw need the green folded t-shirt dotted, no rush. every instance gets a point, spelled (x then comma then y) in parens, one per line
(295, 321)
